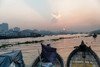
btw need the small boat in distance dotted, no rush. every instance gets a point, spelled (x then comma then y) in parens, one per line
(83, 56)
(94, 35)
(41, 62)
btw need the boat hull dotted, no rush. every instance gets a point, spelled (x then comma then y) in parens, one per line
(58, 63)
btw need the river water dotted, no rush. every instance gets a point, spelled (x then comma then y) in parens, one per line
(64, 46)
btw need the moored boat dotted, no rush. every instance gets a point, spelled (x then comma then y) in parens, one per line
(12, 59)
(39, 62)
(83, 56)
(58, 63)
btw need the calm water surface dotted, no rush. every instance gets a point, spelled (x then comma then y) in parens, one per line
(64, 46)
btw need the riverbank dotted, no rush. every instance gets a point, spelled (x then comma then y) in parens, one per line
(13, 37)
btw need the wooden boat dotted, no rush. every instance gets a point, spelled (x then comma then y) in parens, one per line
(58, 63)
(83, 56)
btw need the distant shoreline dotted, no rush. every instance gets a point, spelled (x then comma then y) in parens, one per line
(10, 37)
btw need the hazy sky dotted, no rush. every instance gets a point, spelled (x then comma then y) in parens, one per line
(74, 15)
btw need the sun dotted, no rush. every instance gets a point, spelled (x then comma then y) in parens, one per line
(56, 15)
(64, 29)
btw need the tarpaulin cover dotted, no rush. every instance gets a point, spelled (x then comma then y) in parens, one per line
(48, 53)
(12, 57)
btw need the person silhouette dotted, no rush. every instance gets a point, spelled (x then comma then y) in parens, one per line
(94, 35)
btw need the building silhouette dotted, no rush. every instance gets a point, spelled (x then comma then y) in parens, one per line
(17, 29)
(4, 27)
